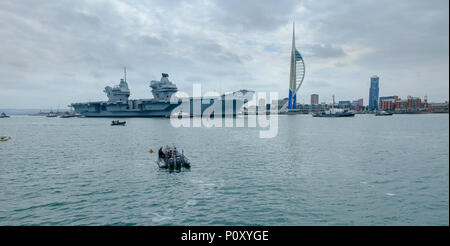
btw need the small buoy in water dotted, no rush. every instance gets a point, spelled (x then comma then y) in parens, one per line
(150, 151)
(4, 138)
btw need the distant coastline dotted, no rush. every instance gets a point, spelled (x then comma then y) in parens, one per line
(27, 111)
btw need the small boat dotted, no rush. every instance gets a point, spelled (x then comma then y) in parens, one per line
(67, 115)
(335, 113)
(3, 115)
(52, 115)
(118, 123)
(4, 138)
(179, 114)
(172, 158)
(383, 113)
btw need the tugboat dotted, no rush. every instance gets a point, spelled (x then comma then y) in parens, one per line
(118, 123)
(67, 115)
(335, 112)
(3, 115)
(383, 113)
(170, 157)
(52, 115)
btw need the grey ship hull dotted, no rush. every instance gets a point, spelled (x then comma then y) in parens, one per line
(127, 114)
(152, 108)
(132, 108)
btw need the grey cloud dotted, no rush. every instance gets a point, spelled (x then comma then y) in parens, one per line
(152, 41)
(318, 84)
(326, 51)
(209, 51)
(75, 48)
(253, 15)
(195, 79)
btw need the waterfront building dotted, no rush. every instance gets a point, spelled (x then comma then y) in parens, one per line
(314, 99)
(281, 103)
(315, 108)
(401, 105)
(303, 108)
(360, 102)
(311, 108)
(344, 104)
(411, 104)
(438, 107)
(373, 93)
(355, 105)
(414, 103)
(387, 103)
(425, 104)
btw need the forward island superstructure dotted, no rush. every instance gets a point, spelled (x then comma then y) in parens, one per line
(119, 104)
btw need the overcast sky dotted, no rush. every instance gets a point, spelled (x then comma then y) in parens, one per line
(54, 53)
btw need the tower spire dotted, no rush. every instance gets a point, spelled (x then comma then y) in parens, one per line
(293, 36)
(125, 73)
(292, 75)
(296, 74)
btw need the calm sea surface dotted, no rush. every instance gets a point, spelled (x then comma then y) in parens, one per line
(365, 170)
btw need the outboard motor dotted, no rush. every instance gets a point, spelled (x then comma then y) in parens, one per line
(171, 162)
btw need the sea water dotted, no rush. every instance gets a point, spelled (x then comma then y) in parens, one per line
(365, 170)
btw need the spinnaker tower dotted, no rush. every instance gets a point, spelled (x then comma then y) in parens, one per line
(296, 76)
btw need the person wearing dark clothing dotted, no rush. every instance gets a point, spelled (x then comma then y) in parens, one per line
(161, 153)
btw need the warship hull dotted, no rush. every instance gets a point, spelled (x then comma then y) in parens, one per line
(212, 107)
(105, 109)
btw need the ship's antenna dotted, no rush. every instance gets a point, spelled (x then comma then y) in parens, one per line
(125, 73)
(333, 101)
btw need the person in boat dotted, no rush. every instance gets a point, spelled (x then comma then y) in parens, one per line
(161, 153)
(175, 152)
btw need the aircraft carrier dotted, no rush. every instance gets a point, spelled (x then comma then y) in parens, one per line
(119, 104)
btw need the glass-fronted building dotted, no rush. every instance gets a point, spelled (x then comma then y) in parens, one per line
(373, 93)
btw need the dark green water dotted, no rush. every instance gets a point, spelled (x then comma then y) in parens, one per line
(365, 170)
